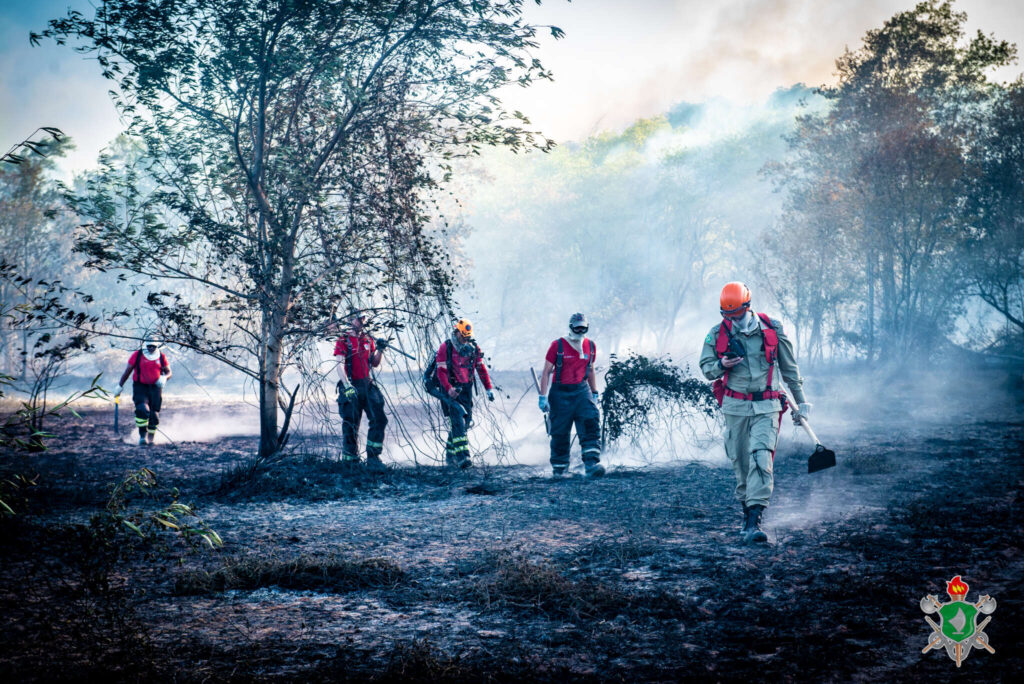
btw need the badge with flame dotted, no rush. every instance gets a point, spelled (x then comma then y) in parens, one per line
(958, 630)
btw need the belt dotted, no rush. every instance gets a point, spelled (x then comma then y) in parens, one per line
(568, 386)
(754, 396)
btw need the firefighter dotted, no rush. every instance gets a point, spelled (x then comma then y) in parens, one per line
(569, 368)
(358, 394)
(740, 355)
(150, 371)
(457, 360)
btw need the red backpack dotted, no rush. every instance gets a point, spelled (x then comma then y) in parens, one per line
(771, 352)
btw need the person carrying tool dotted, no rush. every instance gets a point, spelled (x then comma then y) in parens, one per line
(573, 398)
(357, 393)
(456, 360)
(150, 371)
(740, 355)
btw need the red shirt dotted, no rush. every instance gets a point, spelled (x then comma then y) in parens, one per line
(148, 372)
(462, 369)
(574, 365)
(357, 351)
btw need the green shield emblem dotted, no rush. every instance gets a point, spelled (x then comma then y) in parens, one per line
(958, 620)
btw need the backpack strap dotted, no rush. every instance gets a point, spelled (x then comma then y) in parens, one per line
(347, 346)
(771, 346)
(593, 354)
(137, 370)
(558, 361)
(448, 355)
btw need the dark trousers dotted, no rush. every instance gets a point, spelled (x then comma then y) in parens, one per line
(457, 448)
(573, 404)
(368, 399)
(147, 400)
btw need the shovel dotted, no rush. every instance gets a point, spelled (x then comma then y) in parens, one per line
(822, 458)
(117, 405)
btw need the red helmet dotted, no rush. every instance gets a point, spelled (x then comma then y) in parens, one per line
(735, 300)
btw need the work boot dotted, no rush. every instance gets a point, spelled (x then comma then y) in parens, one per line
(743, 521)
(142, 441)
(467, 462)
(559, 472)
(752, 531)
(374, 463)
(151, 437)
(593, 470)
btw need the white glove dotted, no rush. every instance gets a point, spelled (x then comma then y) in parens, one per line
(801, 411)
(120, 388)
(161, 381)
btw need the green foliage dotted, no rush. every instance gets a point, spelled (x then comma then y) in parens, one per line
(883, 192)
(148, 524)
(638, 388)
(288, 154)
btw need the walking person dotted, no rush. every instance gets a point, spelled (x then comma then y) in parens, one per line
(569, 370)
(740, 355)
(358, 393)
(150, 371)
(457, 359)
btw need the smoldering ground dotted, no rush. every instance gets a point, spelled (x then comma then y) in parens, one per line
(499, 574)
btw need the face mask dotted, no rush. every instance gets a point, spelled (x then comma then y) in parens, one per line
(151, 355)
(748, 323)
(575, 336)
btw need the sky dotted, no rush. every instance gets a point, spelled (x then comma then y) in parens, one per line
(620, 60)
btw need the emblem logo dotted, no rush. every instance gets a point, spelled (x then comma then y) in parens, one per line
(958, 630)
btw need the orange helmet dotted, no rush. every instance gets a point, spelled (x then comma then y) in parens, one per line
(735, 300)
(464, 327)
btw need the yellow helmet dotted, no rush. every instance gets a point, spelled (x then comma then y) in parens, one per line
(464, 327)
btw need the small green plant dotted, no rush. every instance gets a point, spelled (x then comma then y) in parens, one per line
(175, 516)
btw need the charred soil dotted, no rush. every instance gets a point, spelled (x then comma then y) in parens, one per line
(498, 574)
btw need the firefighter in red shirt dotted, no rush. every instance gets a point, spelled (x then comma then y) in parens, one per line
(149, 370)
(457, 359)
(570, 360)
(357, 393)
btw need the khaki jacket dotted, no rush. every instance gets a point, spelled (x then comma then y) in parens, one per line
(751, 374)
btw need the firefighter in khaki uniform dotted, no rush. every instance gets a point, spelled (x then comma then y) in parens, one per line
(745, 355)
(358, 394)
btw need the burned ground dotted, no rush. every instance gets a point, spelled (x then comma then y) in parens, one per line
(500, 574)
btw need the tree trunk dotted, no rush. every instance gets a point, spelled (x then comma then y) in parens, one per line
(270, 383)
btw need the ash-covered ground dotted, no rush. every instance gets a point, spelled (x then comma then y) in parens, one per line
(499, 574)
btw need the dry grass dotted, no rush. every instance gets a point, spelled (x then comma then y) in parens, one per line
(314, 573)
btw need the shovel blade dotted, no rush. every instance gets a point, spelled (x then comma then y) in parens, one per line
(821, 459)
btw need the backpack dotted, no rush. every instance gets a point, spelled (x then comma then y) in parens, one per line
(561, 353)
(771, 352)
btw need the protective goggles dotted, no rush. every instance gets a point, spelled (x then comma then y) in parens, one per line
(580, 329)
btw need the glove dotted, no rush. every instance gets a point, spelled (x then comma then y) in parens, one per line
(490, 395)
(453, 392)
(382, 344)
(596, 400)
(802, 411)
(120, 388)
(161, 381)
(542, 401)
(347, 391)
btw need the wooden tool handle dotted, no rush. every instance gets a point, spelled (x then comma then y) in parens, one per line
(803, 421)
